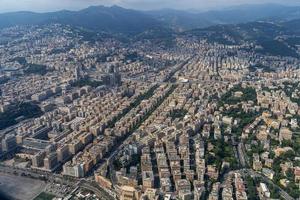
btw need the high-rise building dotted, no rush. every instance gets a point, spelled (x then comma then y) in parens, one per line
(112, 77)
(75, 146)
(129, 193)
(38, 159)
(148, 179)
(50, 162)
(75, 170)
(77, 72)
(63, 153)
(9, 143)
(1, 96)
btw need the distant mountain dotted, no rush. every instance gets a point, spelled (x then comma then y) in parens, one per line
(277, 39)
(184, 20)
(180, 20)
(97, 18)
(127, 21)
(293, 26)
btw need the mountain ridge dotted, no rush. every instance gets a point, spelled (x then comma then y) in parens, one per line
(116, 19)
(230, 15)
(97, 18)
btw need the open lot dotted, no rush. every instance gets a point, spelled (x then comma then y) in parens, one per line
(20, 188)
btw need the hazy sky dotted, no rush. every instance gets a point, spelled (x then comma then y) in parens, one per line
(51, 5)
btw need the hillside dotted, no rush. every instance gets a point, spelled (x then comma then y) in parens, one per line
(184, 20)
(278, 39)
(116, 19)
(97, 18)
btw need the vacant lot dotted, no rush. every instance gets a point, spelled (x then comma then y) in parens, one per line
(20, 188)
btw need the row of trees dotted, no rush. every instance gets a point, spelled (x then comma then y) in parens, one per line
(87, 82)
(249, 94)
(222, 152)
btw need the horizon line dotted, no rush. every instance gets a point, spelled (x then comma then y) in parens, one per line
(216, 8)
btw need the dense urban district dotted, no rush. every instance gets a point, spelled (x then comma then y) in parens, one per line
(94, 116)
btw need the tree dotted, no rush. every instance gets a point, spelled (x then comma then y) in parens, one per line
(290, 175)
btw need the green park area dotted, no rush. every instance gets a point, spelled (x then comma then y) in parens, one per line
(44, 196)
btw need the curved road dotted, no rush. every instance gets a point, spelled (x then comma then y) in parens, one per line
(253, 173)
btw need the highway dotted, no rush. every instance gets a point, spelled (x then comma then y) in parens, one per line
(100, 192)
(242, 155)
(243, 159)
(249, 172)
(253, 173)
